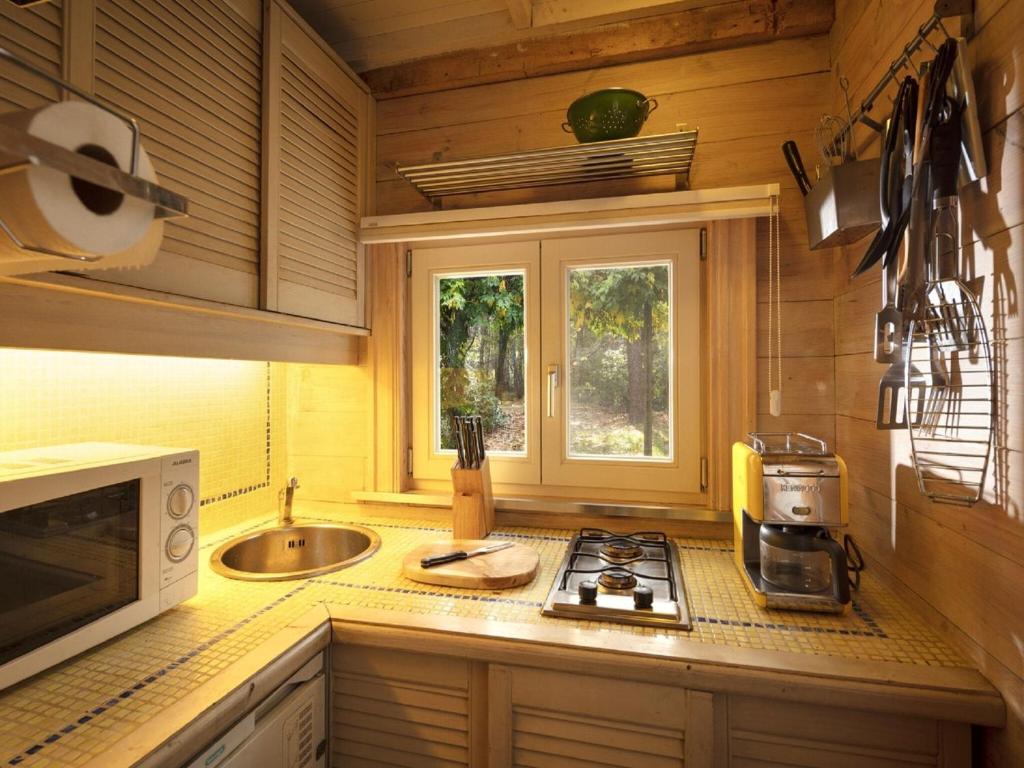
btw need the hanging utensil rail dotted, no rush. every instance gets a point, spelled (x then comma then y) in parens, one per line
(944, 9)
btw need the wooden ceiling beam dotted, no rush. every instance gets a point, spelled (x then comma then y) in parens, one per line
(725, 25)
(521, 12)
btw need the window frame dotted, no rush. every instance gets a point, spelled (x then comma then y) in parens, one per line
(677, 480)
(681, 472)
(429, 463)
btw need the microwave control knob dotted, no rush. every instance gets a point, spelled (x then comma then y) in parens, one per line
(643, 597)
(179, 543)
(179, 501)
(588, 592)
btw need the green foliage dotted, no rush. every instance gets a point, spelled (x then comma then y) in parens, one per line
(476, 313)
(494, 302)
(612, 302)
(466, 395)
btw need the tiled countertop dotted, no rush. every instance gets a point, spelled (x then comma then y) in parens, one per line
(73, 713)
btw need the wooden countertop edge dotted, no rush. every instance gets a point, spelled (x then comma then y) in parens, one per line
(190, 724)
(959, 694)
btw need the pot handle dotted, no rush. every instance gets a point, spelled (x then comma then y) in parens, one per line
(566, 127)
(649, 106)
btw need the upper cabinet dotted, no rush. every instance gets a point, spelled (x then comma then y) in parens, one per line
(191, 73)
(245, 111)
(35, 35)
(316, 137)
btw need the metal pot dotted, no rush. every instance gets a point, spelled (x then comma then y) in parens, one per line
(612, 113)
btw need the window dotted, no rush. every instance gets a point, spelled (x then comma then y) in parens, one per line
(582, 356)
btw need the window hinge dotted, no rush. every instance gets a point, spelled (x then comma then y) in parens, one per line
(408, 263)
(703, 244)
(703, 474)
(408, 459)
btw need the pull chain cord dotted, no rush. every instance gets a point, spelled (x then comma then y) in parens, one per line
(774, 310)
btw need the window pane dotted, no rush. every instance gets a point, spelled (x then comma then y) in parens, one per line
(619, 377)
(481, 357)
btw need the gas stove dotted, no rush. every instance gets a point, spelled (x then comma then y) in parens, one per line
(627, 578)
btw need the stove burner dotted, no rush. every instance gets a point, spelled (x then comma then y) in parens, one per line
(622, 550)
(617, 578)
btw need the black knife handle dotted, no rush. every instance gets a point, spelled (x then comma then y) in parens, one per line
(796, 166)
(448, 557)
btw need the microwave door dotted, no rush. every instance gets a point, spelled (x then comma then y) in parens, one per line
(66, 563)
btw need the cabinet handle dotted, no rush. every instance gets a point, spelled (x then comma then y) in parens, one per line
(552, 384)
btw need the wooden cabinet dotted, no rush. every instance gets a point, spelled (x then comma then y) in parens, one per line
(316, 119)
(414, 709)
(33, 34)
(245, 111)
(763, 733)
(191, 73)
(398, 708)
(547, 719)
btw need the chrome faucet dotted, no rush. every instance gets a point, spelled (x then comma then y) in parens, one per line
(285, 517)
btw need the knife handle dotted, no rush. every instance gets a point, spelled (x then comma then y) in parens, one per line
(448, 557)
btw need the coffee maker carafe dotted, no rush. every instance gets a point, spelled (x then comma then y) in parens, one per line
(789, 498)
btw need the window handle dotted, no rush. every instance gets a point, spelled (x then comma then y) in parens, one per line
(552, 384)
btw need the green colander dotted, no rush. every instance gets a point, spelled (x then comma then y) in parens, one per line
(611, 113)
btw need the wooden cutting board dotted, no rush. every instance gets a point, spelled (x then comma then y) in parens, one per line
(510, 567)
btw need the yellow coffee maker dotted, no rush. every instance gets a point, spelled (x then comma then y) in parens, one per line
(789, 498)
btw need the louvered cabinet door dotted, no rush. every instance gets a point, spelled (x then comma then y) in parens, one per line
(315, 149)
(399, 709)
(191, 72)
(544, 719)
(34, 35)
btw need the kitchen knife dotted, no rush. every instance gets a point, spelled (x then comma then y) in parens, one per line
(451, 557)
(480, 453)
(460, 446)
(467, 435)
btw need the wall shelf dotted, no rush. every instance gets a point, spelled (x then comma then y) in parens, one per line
(662, 154)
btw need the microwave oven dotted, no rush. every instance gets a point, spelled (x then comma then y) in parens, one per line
(95, 538)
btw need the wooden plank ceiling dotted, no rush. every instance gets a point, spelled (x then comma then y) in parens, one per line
(405, 47)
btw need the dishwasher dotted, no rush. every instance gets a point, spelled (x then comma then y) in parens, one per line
(287, 730)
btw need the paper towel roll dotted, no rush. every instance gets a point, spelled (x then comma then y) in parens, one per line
(49, 209)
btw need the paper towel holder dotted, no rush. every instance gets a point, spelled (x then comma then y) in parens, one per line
(20, 150)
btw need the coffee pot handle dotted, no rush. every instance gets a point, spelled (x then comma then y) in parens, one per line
(837, 556)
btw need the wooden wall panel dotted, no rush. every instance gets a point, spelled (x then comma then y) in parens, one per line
(746, 102)
(328, 430)
(963, 567)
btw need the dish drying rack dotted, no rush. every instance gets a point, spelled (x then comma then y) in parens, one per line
(19, 151)
(661, 154)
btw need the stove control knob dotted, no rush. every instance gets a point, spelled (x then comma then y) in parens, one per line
(643, 597)
(588, 592)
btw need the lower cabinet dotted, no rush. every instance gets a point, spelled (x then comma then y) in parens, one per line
(423, 711)
(401, 709)
(546, 719)
(420, 710)
(763, 733)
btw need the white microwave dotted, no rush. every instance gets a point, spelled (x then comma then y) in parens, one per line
(95, 538)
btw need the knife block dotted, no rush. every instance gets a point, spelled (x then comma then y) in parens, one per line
(472, 501)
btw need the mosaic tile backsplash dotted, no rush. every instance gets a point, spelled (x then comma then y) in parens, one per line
(232, 411)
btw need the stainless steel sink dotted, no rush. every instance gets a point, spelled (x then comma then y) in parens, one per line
(294, 552)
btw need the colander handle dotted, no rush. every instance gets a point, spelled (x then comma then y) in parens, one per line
(566, 127)
(649, 106)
